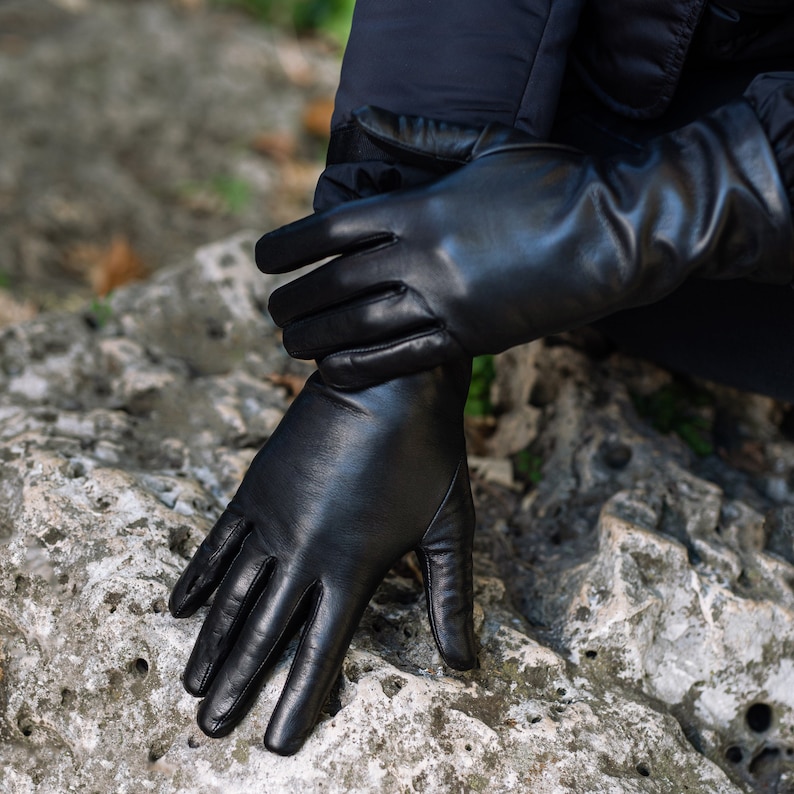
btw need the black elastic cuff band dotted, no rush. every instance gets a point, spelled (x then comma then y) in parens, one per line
(349, 144)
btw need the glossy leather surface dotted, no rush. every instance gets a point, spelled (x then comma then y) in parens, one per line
(347, 484)
(522, 241)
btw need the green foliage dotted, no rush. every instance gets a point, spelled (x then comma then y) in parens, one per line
(302, 16)
(101, 310)
(528, 467)
(226, 194)
(233, 192)
(5, 280)
(478, 402)
(331, 16)
(678, 408)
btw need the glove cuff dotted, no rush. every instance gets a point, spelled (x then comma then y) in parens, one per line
(349, 144)
(356, 167)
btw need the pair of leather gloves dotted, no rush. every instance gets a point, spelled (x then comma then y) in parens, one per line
(519, 239)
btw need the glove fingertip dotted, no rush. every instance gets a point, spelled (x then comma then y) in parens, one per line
(276, 251)
(446, 556)
(192, 687)
(180, 610)
(280, 308)
(460, 654)
(451, 612)
(211, 724)
(283, 742)
(208, 565)
(266, 253)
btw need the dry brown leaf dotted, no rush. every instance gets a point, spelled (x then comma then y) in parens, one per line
(117, 265)
(299, 176)
(408, 567)
(80, 258)
(292, 383)
(478, 430)
(297, 180)
(295, 64)
(750, 457)
(280, 146)
(13, 311)
(317, 117)
(11, 44)
(413, 566)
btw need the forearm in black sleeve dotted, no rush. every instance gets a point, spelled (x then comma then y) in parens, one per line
(772, 98)
(466, 61)
(458, 60)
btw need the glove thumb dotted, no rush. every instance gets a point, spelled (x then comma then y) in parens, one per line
(445, 554)
(430, 143)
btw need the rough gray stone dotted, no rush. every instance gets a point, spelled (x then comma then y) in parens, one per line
(654, 580)
(634, 607)
(120, 443)
(137, 119)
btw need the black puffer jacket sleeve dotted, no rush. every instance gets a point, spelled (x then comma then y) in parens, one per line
(772, 98)
(456, 60)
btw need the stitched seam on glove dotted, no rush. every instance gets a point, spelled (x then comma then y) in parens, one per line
(389, 345)
(214, 555)
(254, 582)
(346, 305)
(425, 557)
(364, 246)
(190, 588)
(217, 723)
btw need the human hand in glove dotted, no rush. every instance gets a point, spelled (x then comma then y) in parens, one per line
(523, 240)
(347, 484)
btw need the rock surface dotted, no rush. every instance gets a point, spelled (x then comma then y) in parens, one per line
(149, 122)
(635, 635)
(634, 600)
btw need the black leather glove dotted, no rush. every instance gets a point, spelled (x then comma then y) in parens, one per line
(525, 239)
(347, 484)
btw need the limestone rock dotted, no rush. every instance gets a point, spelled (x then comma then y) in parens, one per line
(124, 434)
(137, 120)
(655, 580)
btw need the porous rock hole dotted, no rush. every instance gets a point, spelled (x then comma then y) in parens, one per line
(734, 754)
(759, 717)
(140, 666)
